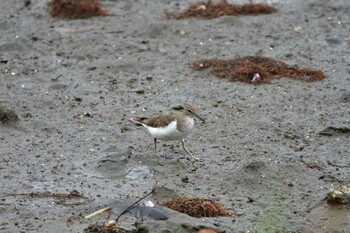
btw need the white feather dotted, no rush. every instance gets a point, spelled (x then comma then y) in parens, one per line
(170, 132)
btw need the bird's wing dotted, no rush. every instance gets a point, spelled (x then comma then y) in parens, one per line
(160, 121)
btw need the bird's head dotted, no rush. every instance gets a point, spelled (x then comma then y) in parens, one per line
(188, 110)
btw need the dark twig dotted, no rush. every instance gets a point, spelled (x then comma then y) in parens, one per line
(61, 198)
(135, 203)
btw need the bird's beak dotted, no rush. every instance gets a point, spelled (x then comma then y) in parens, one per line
(200, 118)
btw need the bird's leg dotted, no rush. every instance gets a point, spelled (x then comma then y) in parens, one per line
(155, 147)
(188, 152)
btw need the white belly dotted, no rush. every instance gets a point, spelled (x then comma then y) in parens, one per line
(170, 132)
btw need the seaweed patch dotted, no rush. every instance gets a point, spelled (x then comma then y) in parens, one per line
(256, 70)
(211, 10)
(196, 207)
(76, 9)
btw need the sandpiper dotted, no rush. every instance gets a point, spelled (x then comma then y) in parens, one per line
(171, 126)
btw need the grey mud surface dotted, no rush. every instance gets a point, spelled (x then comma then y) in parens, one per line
(76, 83)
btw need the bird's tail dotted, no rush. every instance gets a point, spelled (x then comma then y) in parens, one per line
(138, 121)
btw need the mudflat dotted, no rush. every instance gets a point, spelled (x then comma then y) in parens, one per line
(76, 83)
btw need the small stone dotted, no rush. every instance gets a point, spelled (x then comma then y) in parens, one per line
(78, 99)
(92, 68)
(251, 199)
(87, 114)
(185, 179)
(111, 223)
(27, 3)
(7, 113)
(340, 196)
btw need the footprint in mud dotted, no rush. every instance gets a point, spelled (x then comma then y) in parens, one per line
(138, 172)
(122, 164)
(114, 166)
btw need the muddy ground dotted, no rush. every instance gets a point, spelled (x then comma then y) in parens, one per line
(76, 83)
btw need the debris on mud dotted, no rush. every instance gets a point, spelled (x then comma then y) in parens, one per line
(137, 209)
(256, 70)
(196, 207)
(61, 198)
(331, 131)
(7, 114)
(340, 196)
(211, 10)
(76, 9)
(96, 228)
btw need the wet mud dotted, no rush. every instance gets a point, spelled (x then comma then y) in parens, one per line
(264, 154)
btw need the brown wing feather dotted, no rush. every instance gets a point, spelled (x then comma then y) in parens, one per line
(159, 121)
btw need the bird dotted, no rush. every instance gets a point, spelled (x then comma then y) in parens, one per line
(171, 126)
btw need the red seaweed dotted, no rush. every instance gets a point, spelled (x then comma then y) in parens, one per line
(256, 70)
(211, 10)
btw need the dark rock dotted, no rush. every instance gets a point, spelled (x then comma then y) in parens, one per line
(27, 3)
(177, 222)
(7, 113)
(185, 179)
(340, 196)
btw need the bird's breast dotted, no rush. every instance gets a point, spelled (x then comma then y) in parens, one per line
(185, 125)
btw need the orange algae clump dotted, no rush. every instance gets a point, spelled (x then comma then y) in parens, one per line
(76, 9)
(256, 9)
(211, 10)
(196, 207)
(256, 70)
